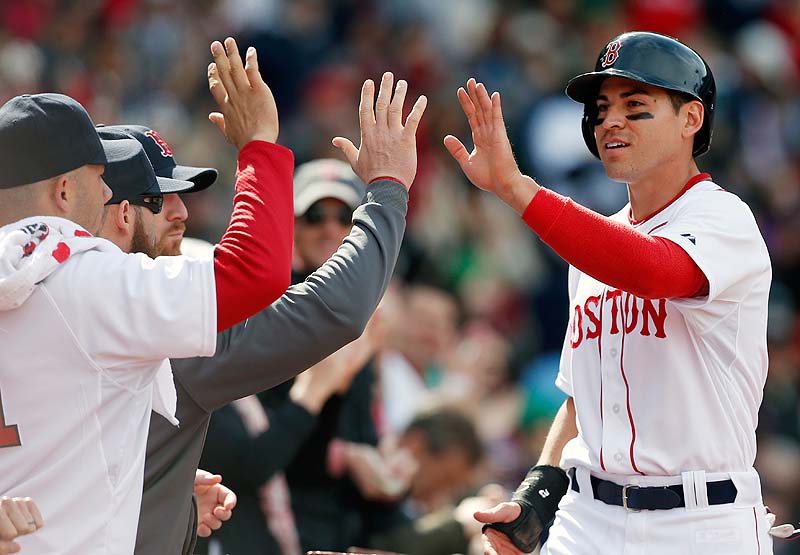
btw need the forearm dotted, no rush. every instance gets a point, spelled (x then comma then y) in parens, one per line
(563, 429)
(612, 252)
(252, 263)
(312, 319)
(518, 192)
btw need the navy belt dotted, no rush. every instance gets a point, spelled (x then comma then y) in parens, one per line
(637, 498)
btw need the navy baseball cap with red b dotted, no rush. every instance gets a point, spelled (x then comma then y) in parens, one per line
(162, 157)
(134, 179)
(46, 135)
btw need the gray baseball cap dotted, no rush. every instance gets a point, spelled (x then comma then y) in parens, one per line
(326, 178)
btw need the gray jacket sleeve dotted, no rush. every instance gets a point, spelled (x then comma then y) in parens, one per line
(312, 319)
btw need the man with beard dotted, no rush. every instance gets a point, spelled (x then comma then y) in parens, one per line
(138, 196)
(312, 320)
(87, 328)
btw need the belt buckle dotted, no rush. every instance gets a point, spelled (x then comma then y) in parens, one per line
(625, 497)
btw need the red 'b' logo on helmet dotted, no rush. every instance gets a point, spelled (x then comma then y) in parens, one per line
(612, 53)
(162, 144)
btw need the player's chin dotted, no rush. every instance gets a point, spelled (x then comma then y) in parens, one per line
(170, 246)
(617, 170)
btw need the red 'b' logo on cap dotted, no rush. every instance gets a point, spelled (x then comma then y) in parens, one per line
(612, 53)
(166, 151)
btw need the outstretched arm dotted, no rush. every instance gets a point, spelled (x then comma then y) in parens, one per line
(331, 308)
(252, 263)
(609, 251)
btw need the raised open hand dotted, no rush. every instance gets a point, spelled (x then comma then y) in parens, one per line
(247, 107)
(388, 148)
(491, 163)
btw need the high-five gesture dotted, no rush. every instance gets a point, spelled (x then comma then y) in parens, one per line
(388, 148)
(491, 165)
(247, 107)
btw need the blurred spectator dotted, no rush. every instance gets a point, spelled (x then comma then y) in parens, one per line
(422, 334)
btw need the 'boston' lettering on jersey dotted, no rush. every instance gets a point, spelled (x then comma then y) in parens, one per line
(645, 315)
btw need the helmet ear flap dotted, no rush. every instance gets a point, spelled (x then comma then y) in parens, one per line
(587, 127)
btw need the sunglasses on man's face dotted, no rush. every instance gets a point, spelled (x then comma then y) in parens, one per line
(316, 215)
(154, 203)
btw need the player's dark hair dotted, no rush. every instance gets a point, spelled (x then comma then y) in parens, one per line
(678, 99)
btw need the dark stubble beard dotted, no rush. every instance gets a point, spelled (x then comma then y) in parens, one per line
(141, 242)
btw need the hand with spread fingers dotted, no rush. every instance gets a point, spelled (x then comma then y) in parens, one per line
(247, 107)
(18, 516)
(388, 148)
(491, 165)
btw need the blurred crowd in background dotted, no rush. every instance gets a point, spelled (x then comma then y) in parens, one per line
(478, 310)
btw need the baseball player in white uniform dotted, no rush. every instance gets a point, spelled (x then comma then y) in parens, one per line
(86, 329)
(665, 358)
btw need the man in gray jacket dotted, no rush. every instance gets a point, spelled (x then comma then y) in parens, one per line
(310, 321)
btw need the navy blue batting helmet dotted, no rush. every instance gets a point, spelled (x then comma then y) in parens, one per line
(653, 59)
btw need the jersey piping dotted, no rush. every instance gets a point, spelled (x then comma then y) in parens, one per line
(700, 177)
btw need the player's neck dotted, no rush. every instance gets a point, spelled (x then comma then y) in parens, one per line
(651, 193)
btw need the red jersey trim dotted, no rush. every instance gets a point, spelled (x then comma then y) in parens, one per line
(385, 178)
(600, 357)
(627, 386)
(700, 177)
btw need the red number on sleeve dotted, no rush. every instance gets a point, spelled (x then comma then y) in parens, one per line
(9, 435)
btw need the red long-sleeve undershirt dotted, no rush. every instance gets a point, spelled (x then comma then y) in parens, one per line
(253, 260)
(612, 252)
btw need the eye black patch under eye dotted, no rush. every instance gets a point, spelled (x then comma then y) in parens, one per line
(641, 115)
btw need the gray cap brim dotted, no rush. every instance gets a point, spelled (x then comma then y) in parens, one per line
(168, 185)
(201, 178)
(325, 189)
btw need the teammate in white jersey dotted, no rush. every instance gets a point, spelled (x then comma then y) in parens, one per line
(86, 330)
(665, 358)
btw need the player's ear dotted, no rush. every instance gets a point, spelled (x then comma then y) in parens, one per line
(124, 216)
(693, 117)
(62, 192)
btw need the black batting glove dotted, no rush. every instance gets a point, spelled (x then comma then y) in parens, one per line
(538, 496)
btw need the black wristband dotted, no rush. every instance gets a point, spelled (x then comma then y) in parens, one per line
(538, 497)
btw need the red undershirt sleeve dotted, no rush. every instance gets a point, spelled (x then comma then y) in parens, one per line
(253, 260)
(612, 252)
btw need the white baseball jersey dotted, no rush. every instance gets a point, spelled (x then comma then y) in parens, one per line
(79, 356)
(663, 386)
